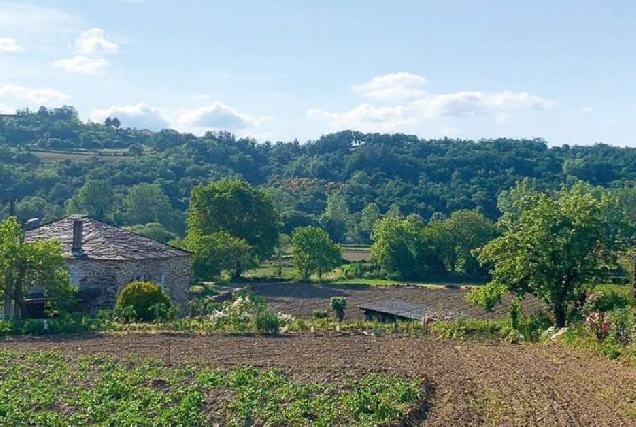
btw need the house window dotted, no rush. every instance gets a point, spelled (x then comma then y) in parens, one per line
(162, 281)
(140, 278)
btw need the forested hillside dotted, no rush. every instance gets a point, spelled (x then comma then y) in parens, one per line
(51, 163)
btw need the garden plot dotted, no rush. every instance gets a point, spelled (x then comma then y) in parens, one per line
(464, 382)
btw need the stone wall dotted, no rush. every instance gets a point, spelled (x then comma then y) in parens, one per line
(105, 279)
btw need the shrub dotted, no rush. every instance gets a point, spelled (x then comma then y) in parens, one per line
(339, 304)
(515, 314)
(319, 314)
(124, 313)
(267, 322)
(141, 296)
(622, 326)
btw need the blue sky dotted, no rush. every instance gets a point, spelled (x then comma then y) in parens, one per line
(277, 70)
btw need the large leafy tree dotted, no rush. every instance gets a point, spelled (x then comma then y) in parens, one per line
(217, 252)
(457, 236)
(238, 209)
(23, 266)
(146, 203)
(402, 248)
(95, 199)
(313, 251)
(557, 245)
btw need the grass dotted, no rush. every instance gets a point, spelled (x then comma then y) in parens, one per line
(622, 290)
(52, 388)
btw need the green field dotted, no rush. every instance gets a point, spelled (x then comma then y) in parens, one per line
(54, 388)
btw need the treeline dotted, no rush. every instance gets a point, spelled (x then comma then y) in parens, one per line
(342, 182)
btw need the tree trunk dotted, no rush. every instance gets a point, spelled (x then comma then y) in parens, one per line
(634, 277)
(237, 270)
(560, 314)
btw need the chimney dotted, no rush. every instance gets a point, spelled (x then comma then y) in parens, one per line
(76, 248)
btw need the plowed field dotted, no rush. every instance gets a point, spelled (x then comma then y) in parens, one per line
(301, 299)
(468, 383)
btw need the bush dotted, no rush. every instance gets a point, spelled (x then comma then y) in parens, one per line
(515, 314)
(339, 304)
(267, 322)
(319, 314)
(141, 296)
(622, 326)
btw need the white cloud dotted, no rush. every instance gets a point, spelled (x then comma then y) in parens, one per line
(586, 109)
(81, 64)
(9, 45)
(463, 104)
(401, 85)
(417, 105)
(94, 42)
(90, 47)
(217, 116)
(140, 116)
(33, 96)
(365, 117)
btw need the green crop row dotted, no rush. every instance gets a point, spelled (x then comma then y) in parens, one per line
(54, 389)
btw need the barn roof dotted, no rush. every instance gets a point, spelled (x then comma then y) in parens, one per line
(101, 241)
(396, 307)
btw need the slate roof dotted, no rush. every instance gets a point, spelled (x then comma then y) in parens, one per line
(396, 307)
(101, 241)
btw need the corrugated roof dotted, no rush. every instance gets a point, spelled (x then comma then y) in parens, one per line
(101, 241)
(397, 307)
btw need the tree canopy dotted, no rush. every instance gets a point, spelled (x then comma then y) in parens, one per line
(25, 266)
(559, 243)
(313, 251)
(237, 209)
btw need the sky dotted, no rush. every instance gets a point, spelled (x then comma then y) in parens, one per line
(280, 70)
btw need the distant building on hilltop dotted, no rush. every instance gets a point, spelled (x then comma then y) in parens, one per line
(102, 259)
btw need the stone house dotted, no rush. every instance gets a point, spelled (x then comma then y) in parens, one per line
(102, 259)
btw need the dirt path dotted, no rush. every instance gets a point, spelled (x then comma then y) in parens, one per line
(471, 383)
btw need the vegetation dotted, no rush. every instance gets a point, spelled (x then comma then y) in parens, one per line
(52, 388)
(27, 267)
(313, 251)
(143, 301)
(239, 210)
(555, 244)
(339, 305)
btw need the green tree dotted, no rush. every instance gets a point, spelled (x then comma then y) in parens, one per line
(237, 208)
(368, 216)
(560, 243)
(313, 251)
(95, 199)
(336, 217)
(401, 248)
(456, 237)
(25, 266)
(217, 252)
(146, 203)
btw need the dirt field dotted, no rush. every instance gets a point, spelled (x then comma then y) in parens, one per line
(300, 300)
(468, 383)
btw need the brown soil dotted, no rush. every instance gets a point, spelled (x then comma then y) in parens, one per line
(301, 299)
(468, 383)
